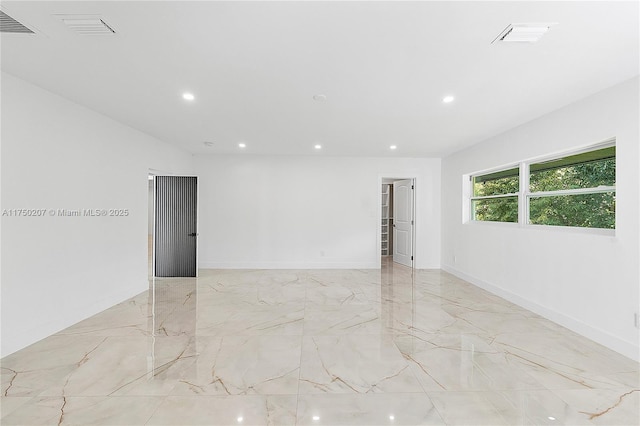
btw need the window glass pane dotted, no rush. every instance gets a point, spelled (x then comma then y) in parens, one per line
(502, 182)
(586, 170)
(582, 210)
(503, 209)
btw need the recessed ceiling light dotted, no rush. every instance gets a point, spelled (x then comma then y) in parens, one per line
(448, 99)
(188, 96)
(551, 418)
(524, 33)
(392, 147)
(392, 417)
(242, 145)
(240, 419)
(319, 98)
(316, 418)
(317, 146)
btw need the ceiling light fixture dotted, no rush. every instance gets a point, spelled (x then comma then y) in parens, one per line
(524, 33)
(207, 143)
(448, 99)
(188, 96)
(242, 145)
(392, 147)
(318, 146)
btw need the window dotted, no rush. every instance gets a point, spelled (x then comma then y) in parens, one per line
(495, 196)
(576, 190)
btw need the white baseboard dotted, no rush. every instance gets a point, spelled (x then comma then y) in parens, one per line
(288, 265)
(627, 349)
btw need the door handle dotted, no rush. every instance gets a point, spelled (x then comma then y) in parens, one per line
(193, 234)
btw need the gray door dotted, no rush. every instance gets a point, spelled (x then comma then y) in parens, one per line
(176, 226)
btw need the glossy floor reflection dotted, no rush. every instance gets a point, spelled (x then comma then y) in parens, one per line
(318, 347)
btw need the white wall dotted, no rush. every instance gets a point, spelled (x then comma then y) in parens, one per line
(586, 282)
(59, 155)
(307, 212)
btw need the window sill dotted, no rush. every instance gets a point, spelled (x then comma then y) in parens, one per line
(546, 228)
(573, 230)
(490, 223)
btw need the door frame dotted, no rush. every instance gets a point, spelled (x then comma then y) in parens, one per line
(394, 177)
(155, 173)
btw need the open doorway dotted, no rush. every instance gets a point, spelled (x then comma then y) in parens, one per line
(150, 224)
(397, 220)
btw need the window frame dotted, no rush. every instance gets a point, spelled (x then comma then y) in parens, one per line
(525, 195)
(473, 197)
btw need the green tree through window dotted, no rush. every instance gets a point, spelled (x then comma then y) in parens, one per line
(502, 188)
(595, 170)
(576, 190)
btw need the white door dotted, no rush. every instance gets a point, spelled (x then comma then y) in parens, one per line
(403, 222)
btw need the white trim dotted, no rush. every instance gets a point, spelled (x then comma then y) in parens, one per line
(523, 200)
(488, 197)
(577, 191)
(467, 192)
(414, 219)
(492, 222)
(289, 265)
(571, 229)
(546, 228)
(602, 337)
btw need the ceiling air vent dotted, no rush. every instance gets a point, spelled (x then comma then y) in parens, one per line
(10, 25)
(87, 25)
(524, 33)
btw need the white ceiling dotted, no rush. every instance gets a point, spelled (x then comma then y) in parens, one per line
(384, 67)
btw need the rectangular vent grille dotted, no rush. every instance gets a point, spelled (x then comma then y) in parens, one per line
(88, 26)
(524, 33)
(10, 25)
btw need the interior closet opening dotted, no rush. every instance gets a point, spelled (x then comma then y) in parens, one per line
(397, 220)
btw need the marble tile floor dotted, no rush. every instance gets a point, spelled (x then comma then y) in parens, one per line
(318, 347)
